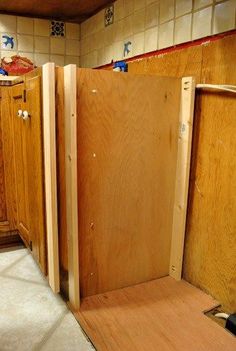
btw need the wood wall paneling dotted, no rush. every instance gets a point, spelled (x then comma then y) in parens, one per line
(210, 248)
(127, 149)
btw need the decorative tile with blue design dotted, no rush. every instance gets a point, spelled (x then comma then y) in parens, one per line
(8, 42)
(57, 29)
(109, 15)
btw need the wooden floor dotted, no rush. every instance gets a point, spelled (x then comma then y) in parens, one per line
(161, 315)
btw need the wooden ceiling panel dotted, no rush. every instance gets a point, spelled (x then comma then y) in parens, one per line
(69, 10)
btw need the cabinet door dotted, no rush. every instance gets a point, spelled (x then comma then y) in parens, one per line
(21, 163)
(3, 209)
(7, 175)
(33, 136)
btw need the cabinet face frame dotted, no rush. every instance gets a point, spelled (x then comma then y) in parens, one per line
(181, 182)
(50, 177)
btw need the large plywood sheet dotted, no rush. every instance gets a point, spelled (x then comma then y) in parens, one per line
(127, 151)
(161, 315)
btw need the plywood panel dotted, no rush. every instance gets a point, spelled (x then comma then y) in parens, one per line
(161, 315)
(127, 145)
(211, 234)
(210, 253)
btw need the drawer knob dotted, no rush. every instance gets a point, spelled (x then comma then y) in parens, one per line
(25, 115)
(19, 113)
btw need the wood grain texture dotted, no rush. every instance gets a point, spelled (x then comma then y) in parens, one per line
(76, 10)
(70, 115)
(34, 139)
(161, 315)
(61, 182)
(182, 176)
(3, 205)
(50, 173)
(127, 149)
(8, 161)
(21, 163)
(210, 253)
(211, 228)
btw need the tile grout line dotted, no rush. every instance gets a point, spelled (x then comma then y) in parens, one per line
(23, 280)
(51, 331)
(13, 264)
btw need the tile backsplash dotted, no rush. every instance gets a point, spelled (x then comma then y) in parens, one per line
(149, 25)
(126, 29)
(40, 40)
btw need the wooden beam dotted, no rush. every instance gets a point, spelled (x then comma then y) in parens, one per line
(70, 98)
(49, 133)
(182, 176)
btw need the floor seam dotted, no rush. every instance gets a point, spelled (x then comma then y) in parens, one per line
(51, 331)
(13, 264)
(23, 280)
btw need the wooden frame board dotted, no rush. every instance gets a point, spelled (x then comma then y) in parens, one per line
(182, 176)
(49, 132)
(71, 183)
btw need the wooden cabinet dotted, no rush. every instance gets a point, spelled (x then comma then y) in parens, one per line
(7, 174)
(28, 155)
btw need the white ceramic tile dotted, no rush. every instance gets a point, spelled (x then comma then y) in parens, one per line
(118, 31)
(139, 4)
(98, 21)
(25, 25)
(138, 21)
(25, 42)
(85, 46)
(41, 45)
(224, 17)
(59, 60)
(128, 7)
(150, 39)
(201, 3)
(72, 31)
(202, 23)
(6, 53)
(57, 46)
(72, 60)
(138, 44)
(100, 39)
(101, 57)
(166, 10)
(119, 10)
(68, 336)
(108, 35)
(41, 59)
(130, 47)
(183, 29)
(166, 35)
(28, 55)
(41, 27)
(93, 58)
(108, 54)
(152, 15)
(8, 41)
(72, 47)
(128, 26)
(118, 50)
(182, 7)
(7, 23)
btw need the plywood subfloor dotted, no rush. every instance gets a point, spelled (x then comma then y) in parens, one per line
(163, 315)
